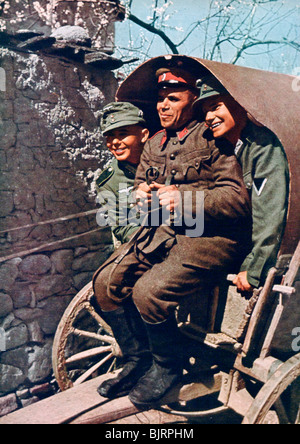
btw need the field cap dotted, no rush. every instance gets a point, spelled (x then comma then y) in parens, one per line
(119, 114)
(209, 86)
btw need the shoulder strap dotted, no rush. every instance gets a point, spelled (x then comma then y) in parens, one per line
(105, 176)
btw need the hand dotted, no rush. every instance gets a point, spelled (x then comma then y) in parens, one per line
(143, 194)
(169, 196)
(242, 283)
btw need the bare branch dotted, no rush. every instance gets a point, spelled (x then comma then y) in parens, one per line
(248, 45)
(156, 31)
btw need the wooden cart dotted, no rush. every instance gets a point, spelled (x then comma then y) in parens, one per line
(245, 353)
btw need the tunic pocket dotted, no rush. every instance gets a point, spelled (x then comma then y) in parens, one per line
(192, 163)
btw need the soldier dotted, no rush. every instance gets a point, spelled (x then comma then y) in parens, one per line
(265, 171)
(126, 133)
(164, 266)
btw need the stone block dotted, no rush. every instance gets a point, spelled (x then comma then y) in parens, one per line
(40, 363)
(81, 279)
(62, 261)
(37, 264)
(51, 285)
(6, 305)
(7, 203)
(21, 294)
(24, 199)
(90, 261)
(17, 357)
(8, 134)
(16, 336)
(53, 309)
(8, 404)
(28, 314)
(10, 378)
(8, 274)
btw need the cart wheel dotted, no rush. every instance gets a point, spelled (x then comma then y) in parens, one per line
(82, 337)
(278, 401)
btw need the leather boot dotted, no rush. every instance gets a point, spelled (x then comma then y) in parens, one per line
(129, 331)
(167, 368)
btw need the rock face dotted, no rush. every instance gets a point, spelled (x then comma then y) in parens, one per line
(51, 151)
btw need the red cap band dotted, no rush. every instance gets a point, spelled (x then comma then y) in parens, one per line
(168, 77)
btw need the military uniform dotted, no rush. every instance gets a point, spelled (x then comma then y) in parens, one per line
(164, 260)
(161, 265)
(266, 175)
(114, 187)
(115, 184)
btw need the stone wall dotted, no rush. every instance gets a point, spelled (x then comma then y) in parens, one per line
(51, 151)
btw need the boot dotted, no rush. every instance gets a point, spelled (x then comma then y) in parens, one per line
(167, 367)
(129, 331)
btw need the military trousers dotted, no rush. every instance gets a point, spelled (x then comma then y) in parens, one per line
(157, 283)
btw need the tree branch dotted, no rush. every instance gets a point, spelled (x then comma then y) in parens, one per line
(267, 42)
(154, 30)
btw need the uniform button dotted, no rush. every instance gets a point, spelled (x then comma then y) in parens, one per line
(175, 142)
(173, 172)
(172, 157)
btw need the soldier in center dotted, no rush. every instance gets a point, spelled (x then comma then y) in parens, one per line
(166, 265)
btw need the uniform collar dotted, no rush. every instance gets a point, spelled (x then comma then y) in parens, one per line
(181, 135)
(128, 167)
(247, 137)
(248, 133)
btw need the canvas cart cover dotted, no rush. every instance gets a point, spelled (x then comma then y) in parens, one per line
(272, 99)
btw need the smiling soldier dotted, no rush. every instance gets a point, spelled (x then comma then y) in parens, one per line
(265, 171)
(124, 127)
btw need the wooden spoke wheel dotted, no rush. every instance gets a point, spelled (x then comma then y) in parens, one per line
(83, 346)
(278, 401)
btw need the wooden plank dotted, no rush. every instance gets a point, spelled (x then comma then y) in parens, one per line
(61, 407)
(257, 318)
(151, 417)
(83, 405)
(120, 408)
(293, 268)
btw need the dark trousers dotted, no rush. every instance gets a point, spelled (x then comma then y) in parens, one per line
(157, 283)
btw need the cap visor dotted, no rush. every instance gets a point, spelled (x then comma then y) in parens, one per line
(117, 125)
(206, 96)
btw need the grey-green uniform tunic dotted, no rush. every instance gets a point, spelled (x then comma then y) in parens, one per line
(266, 175)
(114, 187)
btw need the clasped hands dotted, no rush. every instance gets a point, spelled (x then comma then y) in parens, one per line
(169, 196)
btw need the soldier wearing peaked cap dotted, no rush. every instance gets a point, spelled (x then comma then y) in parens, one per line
(165, 265)
(124, 127)
(265, 172)
(176, 77)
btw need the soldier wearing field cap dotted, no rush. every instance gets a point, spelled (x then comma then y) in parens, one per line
(265, 172)
(125, 129)
(170, 263)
